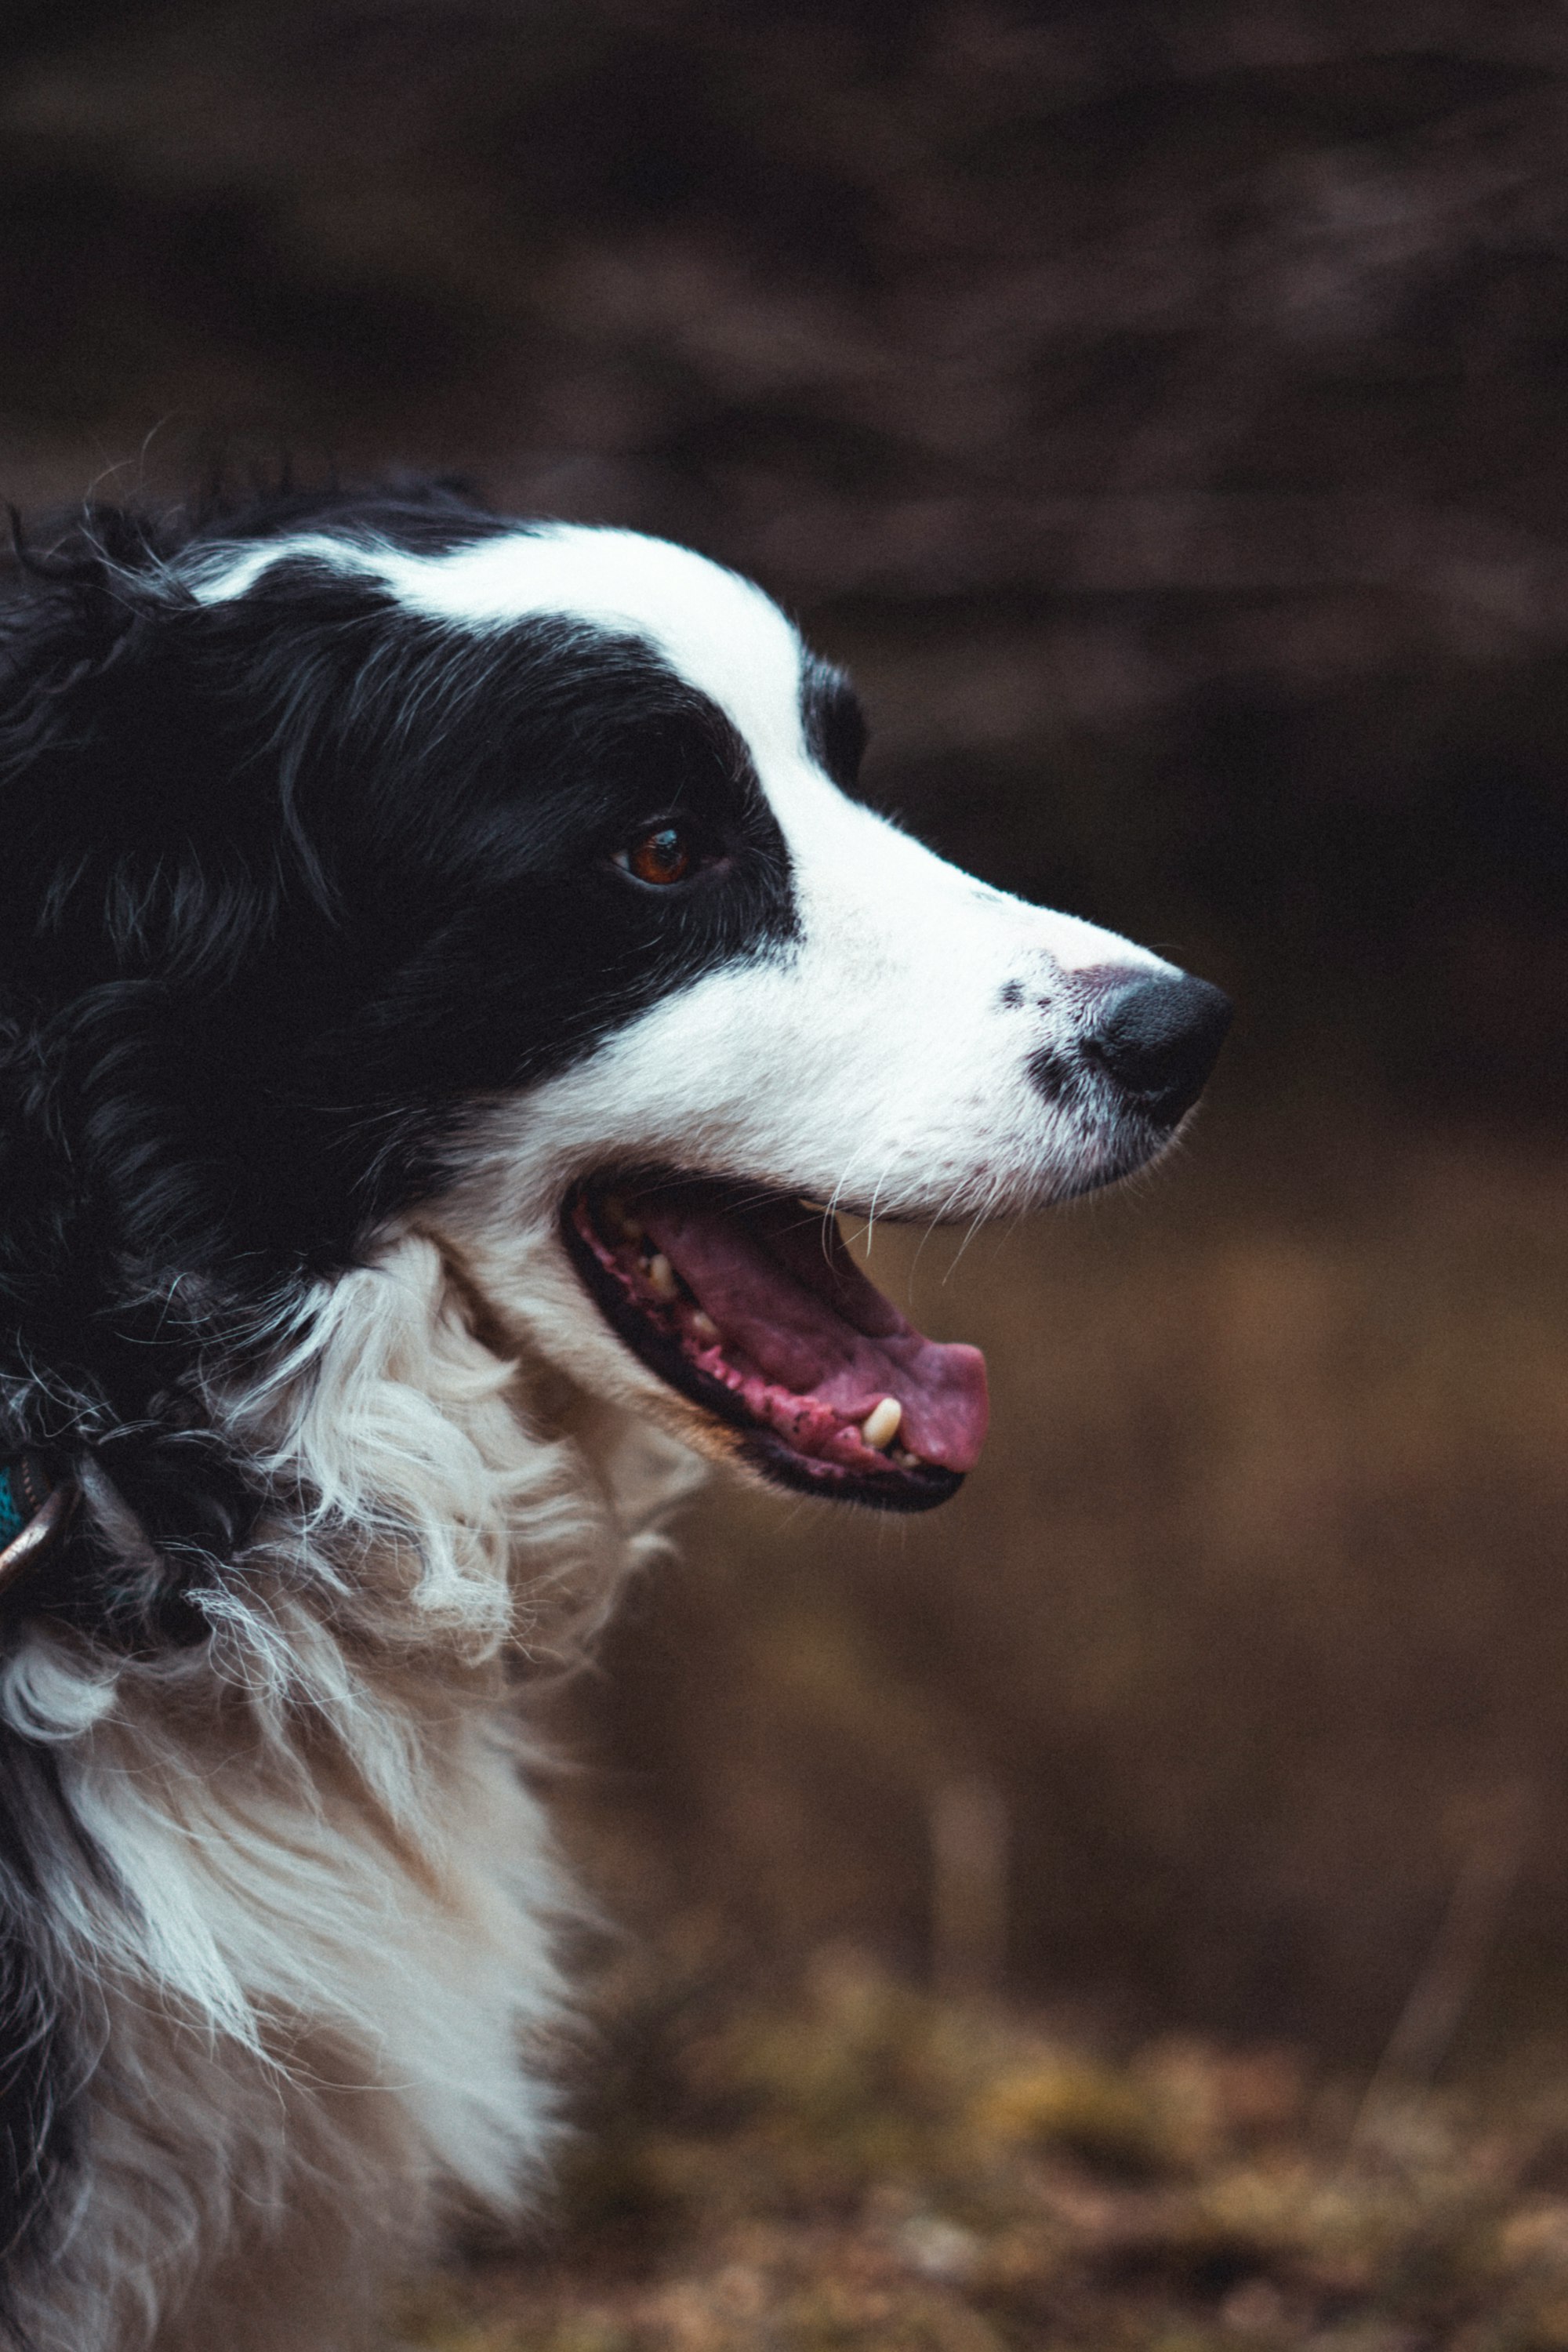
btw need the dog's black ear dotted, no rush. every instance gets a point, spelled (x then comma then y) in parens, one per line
(83, 560)
(141, 838)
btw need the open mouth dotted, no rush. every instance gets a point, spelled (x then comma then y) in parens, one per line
(749, 1304)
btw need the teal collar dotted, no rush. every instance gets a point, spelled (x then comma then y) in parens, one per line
(35, 1510)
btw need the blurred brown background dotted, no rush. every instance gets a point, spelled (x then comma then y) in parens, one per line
(1165, 409)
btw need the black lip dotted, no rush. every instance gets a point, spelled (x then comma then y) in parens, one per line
(892, 1490)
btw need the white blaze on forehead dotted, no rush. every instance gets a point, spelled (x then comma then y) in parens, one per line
(717, 631)
(860, 879)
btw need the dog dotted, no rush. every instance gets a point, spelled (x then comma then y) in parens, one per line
(449, 989)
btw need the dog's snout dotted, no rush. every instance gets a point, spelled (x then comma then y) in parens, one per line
(1159, 1038)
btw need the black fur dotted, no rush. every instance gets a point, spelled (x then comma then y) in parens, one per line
(286, 882)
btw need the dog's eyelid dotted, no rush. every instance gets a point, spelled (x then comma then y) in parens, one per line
(702, 838)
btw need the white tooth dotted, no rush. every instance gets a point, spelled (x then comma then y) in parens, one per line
(904, 1458)
(880, 1425)
(661, 1277)
(702, 1326)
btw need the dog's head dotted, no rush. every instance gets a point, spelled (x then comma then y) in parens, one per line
(382, 862)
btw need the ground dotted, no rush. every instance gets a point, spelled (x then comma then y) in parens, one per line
(860, 2164)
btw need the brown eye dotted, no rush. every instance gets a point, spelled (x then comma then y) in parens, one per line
(660, 856)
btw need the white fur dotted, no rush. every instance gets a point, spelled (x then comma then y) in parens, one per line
(325, 1977)
(324, 1983)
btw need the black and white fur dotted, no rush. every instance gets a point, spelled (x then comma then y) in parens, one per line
(322, 981)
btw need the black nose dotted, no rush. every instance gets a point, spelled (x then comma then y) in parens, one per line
(1160, 1038)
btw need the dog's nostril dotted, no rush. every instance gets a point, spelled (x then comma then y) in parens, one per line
(1159, 1039)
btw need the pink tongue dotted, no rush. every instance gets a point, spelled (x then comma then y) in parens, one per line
(782, 1288)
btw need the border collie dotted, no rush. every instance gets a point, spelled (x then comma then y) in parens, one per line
(448, 992)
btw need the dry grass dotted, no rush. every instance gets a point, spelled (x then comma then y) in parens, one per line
(862, 2165)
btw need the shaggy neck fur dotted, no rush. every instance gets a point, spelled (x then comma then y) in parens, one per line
(305, 1916)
